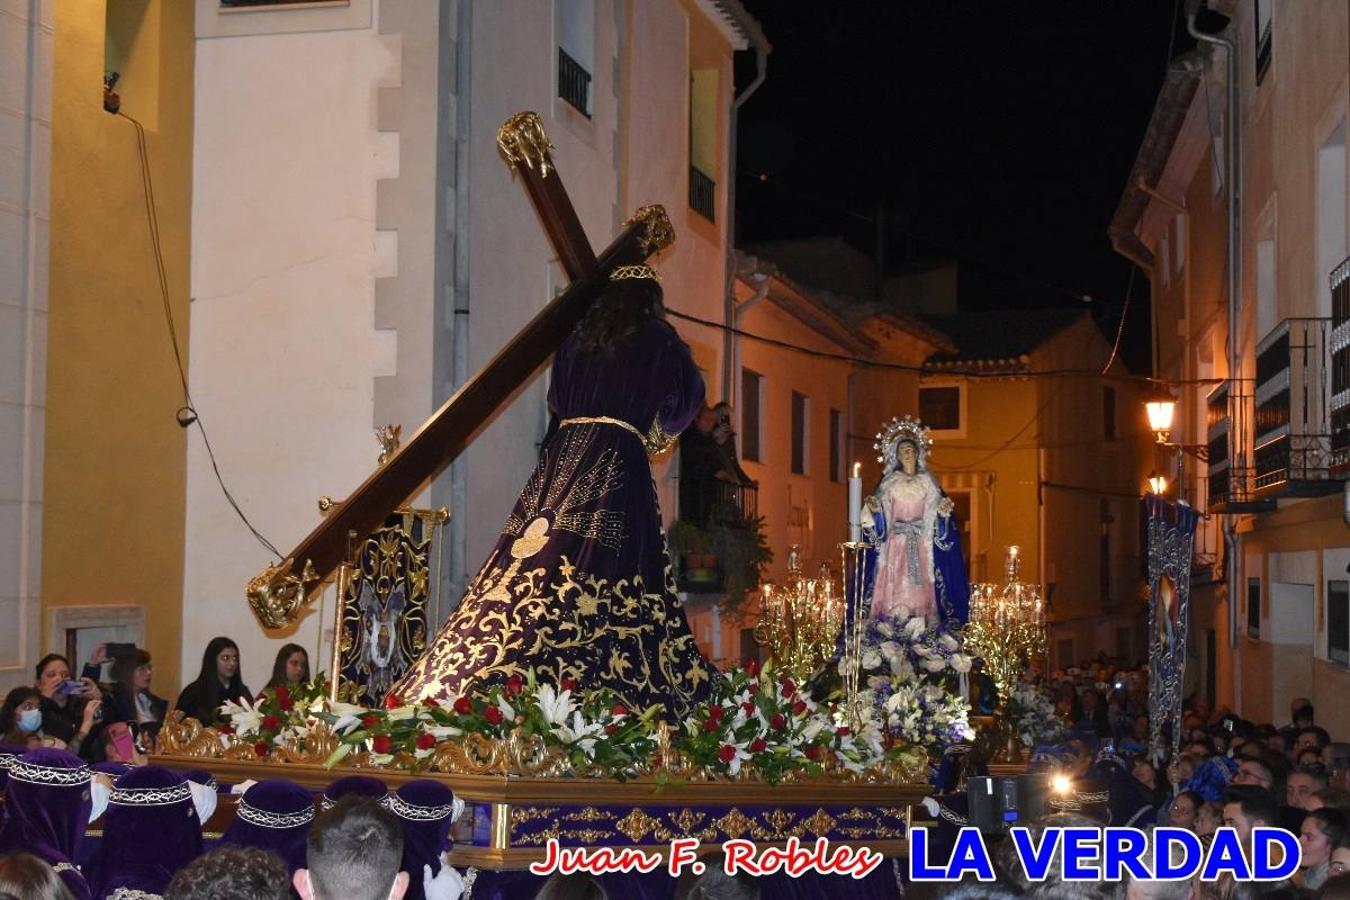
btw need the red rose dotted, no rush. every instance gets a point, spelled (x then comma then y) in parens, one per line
(226, 729)
(493, 714)
(749, 707)
(799, 708)
(284, 698)
(813, 752)
(270, 723)
(754, 688)
(463, 706)
(426, 741)
(611, 728)
(618, 709)
(727, 753)
(752, 667)
(392, 701)
(842, 730)
(758, 745)
(369, 722)
(569, 684)
(514, 685)
(431, 703)
(710, 725)
(789, 686)
(260, 748)
(715, 713)
(777, 722)
(383, 743)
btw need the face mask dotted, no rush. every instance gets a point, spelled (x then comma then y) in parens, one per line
(30, 720)
(98, 793)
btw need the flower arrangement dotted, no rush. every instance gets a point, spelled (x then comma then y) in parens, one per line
(758, 723)
(1034, 716)
(909, 647)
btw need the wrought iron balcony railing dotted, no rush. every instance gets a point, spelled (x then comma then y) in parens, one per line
(702, 194)
(574, 83)
(743, 498)
(1340, 370)
(1230, 481)
(1293, 425)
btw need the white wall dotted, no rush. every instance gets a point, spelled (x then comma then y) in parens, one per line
(25, 166)
(284, 351)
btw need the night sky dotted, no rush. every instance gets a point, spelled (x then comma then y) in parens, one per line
(1000, 134)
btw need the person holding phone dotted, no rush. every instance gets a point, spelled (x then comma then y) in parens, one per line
(132, 701)
(71, 708)
(21, 723)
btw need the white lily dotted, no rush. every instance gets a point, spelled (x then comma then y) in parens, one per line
(960, 662)
(915, 627)
(441, 732)
(349, 715)
(507, 709)
(580, 733)
(948, 642)
(556, 707)
(734, 767)
(933, 664)
(871, 659)
(245, 717)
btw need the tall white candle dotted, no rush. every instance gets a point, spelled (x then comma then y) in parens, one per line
(855, 504)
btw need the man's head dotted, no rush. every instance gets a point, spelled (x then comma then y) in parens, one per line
(354, 851)
(706, 420)
(1245, 808)
(1255, 773)
(231, 871)
(1297, 704)
(1302, 783)
(1310, 737)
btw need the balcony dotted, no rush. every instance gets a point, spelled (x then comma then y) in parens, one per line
(1230, 482)
(1340, 370)
(1293, 445)
(574, 83)
(702, 194)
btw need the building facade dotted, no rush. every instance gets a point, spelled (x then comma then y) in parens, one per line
(1266, 441)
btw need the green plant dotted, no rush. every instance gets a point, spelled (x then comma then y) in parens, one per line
(743, 551)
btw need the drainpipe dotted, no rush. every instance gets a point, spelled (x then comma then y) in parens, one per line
(729, 292)
(1232, 175)
(459, 490)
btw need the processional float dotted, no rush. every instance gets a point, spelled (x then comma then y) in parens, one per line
(518, 797)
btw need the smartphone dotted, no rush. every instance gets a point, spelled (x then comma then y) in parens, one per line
(119, 651)
(121, 744)
(70, 686)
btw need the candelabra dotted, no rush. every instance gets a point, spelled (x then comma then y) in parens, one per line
(799, 622)
(1007, 625)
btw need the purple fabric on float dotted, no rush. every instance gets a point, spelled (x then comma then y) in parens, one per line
(48, 799)
(357, 786)
(273, 815)
(150, 831)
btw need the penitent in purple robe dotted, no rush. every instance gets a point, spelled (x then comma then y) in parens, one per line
(579, 584)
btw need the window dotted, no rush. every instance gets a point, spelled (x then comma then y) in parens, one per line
(940, 407)
(752, 393)
(1331, 225)
(1266, 316)
(1264, 32)
(1104, 552)
(1254, 608)
(800, 410)
(1065, 653)
(1179, 241)
(703, 113)
(576, 53)
(1109, 413)
(1338, 622)
(836, 445)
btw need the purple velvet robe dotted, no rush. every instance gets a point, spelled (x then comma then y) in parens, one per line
(579, 584)
(48, 800)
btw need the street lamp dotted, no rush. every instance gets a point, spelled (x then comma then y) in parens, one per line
(1157, 483)
(1160, 413)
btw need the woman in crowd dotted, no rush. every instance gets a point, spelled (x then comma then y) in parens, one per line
(132, 701)
(1322, 832)
(217, 682)
(291, 667)
(21, 718)
(69, 715)
(1185, 806)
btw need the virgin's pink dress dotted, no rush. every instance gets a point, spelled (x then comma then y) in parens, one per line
(904, 576)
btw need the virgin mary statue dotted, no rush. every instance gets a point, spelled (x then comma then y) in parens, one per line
(915, 564)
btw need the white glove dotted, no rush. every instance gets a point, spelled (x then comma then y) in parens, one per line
(448, 884)
(931, 805)
(242, 787)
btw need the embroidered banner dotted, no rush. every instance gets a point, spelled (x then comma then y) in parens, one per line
(1171, 535)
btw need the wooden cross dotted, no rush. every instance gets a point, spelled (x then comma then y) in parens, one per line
(280, 591)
